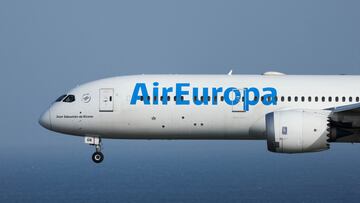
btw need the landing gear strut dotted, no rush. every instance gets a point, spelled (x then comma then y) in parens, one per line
(97, 157)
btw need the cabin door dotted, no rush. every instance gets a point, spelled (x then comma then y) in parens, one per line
(237, 101)
(106, 100)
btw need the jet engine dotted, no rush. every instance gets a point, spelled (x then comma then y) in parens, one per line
(297, 131)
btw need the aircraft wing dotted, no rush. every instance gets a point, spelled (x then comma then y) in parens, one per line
(345, 123)
(352, 108)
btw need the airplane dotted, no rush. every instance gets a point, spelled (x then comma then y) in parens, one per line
(292, 113)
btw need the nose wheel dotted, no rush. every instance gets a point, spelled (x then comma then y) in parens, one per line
(97, 157)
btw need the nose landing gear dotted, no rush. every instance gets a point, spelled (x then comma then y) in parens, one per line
(97, 157)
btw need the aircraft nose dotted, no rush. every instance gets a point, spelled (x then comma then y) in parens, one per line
(45, 120)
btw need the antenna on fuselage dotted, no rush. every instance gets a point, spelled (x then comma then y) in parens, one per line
(230, 72)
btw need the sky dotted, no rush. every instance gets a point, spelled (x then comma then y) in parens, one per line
(48, 47)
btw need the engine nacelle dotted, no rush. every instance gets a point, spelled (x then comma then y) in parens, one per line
(297, 131)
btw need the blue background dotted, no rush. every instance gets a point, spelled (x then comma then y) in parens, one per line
(48, 47)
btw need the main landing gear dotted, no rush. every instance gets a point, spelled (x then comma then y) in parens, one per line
(97, 157)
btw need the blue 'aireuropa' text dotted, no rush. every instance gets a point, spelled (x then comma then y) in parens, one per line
(231, 95)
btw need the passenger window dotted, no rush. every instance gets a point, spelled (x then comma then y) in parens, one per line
(337, 99)
(296, 99)
(60, 98)
(69, 99)
(222, 98)
(344, 99)
(309, 99)
(282, 98)
(302, 98)
(330, 99)
(357, 99)
(323, 99)
(289, 99)
(350, 99)
(316, 99)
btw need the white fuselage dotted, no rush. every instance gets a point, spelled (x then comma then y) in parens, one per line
(103, 108)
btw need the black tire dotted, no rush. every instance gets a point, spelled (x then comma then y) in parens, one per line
(98, 157)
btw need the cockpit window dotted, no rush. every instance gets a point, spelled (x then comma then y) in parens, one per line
(69, 99)
(60, 98)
